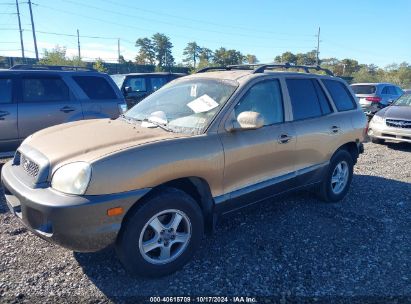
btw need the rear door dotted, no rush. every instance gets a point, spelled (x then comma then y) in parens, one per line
(98, 97)
(9, 137)
(45, 101)
(315, 124)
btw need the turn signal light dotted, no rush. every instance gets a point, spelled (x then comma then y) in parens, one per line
(115, 211)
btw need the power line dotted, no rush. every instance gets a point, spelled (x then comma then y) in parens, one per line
(164, 22)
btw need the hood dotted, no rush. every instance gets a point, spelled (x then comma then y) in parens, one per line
(396, 112)
(88, 140)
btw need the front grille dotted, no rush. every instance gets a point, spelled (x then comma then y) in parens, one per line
(30, 167)
(396, 123)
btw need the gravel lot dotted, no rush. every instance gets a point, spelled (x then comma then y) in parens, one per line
(291, 248)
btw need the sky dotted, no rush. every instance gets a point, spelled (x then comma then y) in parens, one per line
(370, 31)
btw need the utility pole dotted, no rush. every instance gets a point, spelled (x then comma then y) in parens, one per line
(118, 49)
(21, 31)
(78, 46)
(34, 31)
(318, 46)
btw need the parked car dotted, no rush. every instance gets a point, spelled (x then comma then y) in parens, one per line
(375, 96)
(137, 86)
(161, 175)
(36, 97)
(393, 122)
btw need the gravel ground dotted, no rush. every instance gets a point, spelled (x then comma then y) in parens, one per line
(293, 247)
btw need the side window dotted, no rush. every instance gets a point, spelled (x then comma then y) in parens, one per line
(324, 103)
(385, 91)
(137, 84)
(399, 91)
(5, 91)
(343, 99)
(95, 87)
(157, 82)
(44, 90)
(304, 98)
(265, 98)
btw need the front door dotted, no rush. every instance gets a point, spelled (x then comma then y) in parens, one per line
(9, 137)
(44, 102)
(258, 163)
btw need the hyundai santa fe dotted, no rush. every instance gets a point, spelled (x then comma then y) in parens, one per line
(155, 180)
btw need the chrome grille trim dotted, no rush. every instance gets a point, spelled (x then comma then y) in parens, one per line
(398, 123)
(29, 166)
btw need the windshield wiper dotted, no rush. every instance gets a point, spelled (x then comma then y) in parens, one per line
(157, 124)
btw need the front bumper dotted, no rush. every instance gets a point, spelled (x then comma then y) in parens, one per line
(382, 131)
(79, 223)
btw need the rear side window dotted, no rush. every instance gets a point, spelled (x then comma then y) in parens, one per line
(5, 91)
(137, 84)
(44, 90)
(343, 99)
(95, 87)
(264, 98)
(305, 99)
(364, 89)
(157, 82)
(385, 91)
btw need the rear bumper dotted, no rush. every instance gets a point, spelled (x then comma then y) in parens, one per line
(382, 131)
(79, 223)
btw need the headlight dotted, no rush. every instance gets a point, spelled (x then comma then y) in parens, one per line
(377, 119)
(72, 178)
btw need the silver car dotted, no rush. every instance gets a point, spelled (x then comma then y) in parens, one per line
(393, 122)
(376, 96)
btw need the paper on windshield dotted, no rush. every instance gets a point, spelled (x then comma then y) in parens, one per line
(202, 104)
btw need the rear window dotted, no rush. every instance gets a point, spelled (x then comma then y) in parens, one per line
(343, 99)
(364, 89)
(157, 82)
(95, 87)
(44, 90)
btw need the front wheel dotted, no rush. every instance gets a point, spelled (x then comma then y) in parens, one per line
(338, 178)
(161, 235)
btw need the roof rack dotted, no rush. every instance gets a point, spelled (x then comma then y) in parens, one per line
(260, 68)
(51, 67)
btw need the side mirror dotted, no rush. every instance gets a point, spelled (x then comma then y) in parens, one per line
(245, 121)
(128, 89)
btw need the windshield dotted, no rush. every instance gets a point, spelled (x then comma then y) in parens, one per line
(404, 100)
(364, 89)
(118, 79)
(185, 107)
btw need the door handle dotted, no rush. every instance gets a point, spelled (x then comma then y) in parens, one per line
(67, 109)
(3, 113)
(335, 129)
(284, 138)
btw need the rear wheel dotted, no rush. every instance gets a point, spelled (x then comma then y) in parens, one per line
(338, 178)
(161, 235)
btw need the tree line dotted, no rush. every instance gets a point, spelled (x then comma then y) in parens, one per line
(157, 50)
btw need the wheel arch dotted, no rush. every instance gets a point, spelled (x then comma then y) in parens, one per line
(352, 148)
(196, 187)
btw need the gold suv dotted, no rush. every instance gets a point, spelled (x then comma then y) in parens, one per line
(153, 181)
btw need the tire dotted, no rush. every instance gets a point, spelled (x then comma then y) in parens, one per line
(377, 141)
(327, 190)
(137, 234)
